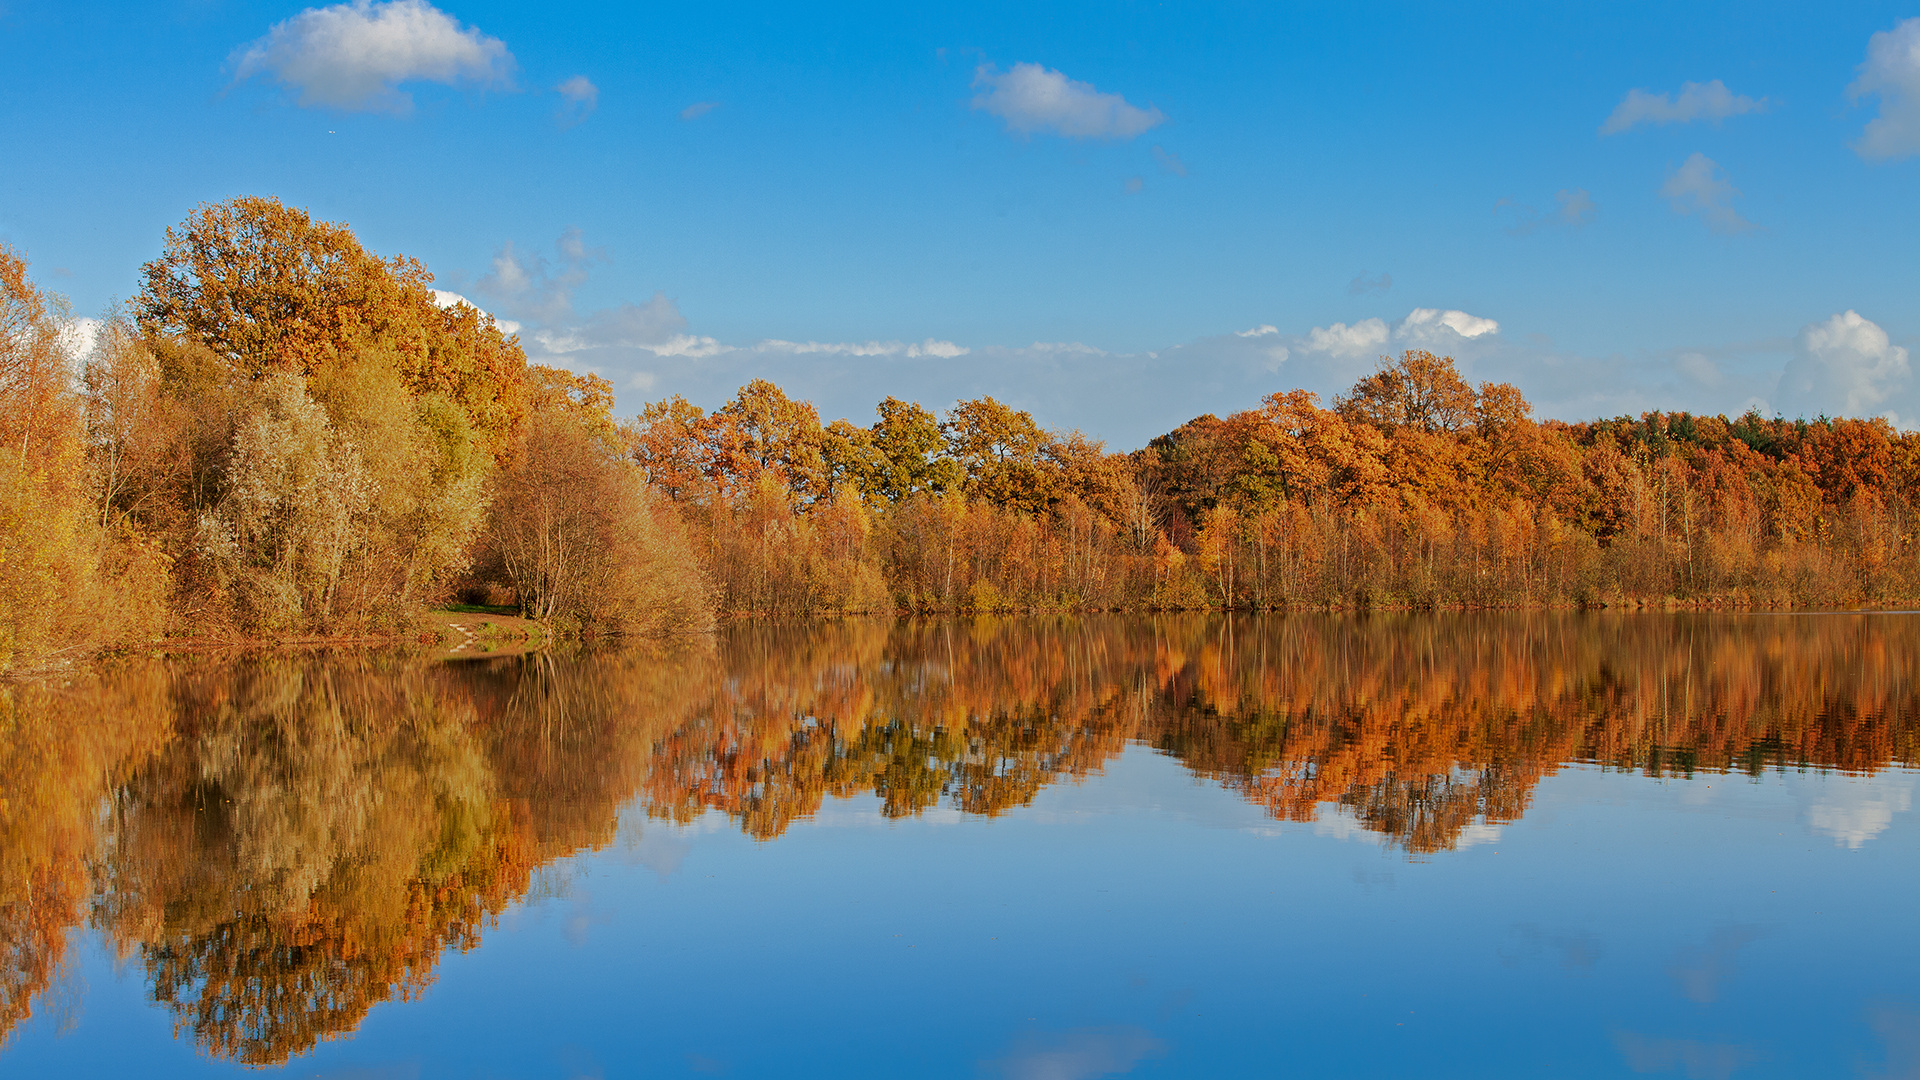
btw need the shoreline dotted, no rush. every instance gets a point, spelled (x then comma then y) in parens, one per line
(499, 635)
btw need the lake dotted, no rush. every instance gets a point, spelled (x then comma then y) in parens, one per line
(1500, 845)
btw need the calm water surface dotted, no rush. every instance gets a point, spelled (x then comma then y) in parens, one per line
(1445, 846)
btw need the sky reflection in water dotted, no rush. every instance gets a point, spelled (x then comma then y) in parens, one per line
(1040, 849)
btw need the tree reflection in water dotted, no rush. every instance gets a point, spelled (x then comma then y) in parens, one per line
(285, 842)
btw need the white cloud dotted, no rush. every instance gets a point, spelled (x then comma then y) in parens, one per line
(1032, 98)
(1891, 70)
(354, 56)
(1361, 338)
(1700, 186)
(582, 98)
(1259, 331)
(687, 345)
(698, 109)
(78, 336)
(1846, 366)
(445, 299)
(945, 350)
(831, 348)
(1696, 101)
(1170, 161)
(1426, 324)
(1422, 326)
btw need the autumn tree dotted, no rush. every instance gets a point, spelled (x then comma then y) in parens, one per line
(764, 432)
(1418, 390)
(58, 564)
(581, 539)
(668, 440)
(1002, 452)
(912, 453)
(267, 288)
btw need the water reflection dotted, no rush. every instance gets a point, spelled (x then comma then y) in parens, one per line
(284, 842)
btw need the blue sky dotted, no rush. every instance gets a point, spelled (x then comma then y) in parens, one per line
(1094, 212)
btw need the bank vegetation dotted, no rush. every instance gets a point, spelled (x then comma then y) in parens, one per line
(283, 435)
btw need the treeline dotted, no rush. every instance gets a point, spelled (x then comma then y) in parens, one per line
(283, 843)
(282, 434)
(1414, 490)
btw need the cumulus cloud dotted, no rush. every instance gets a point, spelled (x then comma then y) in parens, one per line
(1259, 331)
(1891, 71)
(1363, 284)
(698, 109)
(1360, 339)
(1696, 101)
(1429, 323)
(582, 97)
(355, 56)
(1700, 186)
(1423, 327)
(1032, 98)
(1169, 161)
(1425, 321)
(1846, 366)
(1573, 208)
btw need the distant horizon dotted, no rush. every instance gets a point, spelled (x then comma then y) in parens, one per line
(1117, 220)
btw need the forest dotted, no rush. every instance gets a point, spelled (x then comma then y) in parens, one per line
(282, 435)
